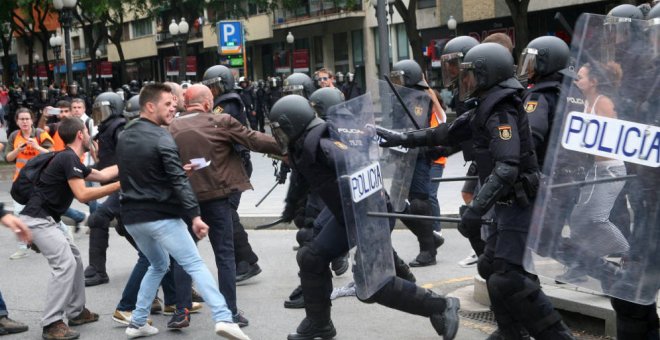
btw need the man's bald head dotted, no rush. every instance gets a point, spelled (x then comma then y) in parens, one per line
(198, 97)
(177, 91)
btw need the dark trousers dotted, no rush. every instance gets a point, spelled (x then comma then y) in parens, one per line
(242, 248)
(129, 295)
(99, 224)
(3, 306)
(218, 215)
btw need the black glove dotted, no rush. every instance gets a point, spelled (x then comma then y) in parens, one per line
(389, 138)
(281, 175)
(470, 225)
(289, 212)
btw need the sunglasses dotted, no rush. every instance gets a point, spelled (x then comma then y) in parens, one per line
(324, 78)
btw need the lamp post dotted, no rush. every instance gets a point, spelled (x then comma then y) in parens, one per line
(383, 34)
(65, 7)
(98, 54)
(290, 39)
(451, 24)
(36, 69)
(55, 42)
(179, 33)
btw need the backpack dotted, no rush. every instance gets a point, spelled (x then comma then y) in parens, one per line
(28, 177)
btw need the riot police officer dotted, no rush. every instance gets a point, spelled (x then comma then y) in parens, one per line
(274, 91)
(261, 95)
(108, 109)
(350, 87)
(306, 139)
(298, 83)
(508, 171)
(132, 108)
(220, 80)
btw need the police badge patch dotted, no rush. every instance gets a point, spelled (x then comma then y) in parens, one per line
(531, 106)
(505, 132)
(341, 145)
(418, 111)
(218, 110)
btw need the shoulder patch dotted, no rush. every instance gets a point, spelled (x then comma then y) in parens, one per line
(419, 111)
(341, 145)
(218, 109)
(505, 132)
(530, 106)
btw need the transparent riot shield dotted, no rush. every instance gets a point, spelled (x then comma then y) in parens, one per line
(398, 162)
(595, 221)
(361, 187)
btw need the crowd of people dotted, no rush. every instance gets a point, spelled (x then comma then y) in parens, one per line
(179, 154)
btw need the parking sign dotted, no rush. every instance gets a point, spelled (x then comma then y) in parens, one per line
(230, 37)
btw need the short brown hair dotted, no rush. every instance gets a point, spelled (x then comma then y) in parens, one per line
(22, 110)
(69, 128)
(323, 69)
(78, 100)
(63, 104)
(500, 38)
(151, 93)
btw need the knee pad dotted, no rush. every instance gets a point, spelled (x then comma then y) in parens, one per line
(420, 207)
(485, 266)
(304, 235)
(310, 260)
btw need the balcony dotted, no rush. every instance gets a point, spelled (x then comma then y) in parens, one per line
(317, 9)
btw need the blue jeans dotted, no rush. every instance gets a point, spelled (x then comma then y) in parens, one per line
(130, 294)
(436, 171)
(160, 239)
(76, 215)
(3, 306)
(218, 215)
(419, 185)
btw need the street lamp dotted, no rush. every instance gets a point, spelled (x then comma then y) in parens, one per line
(98, 54)
(36, 69)
(290, 39)
(179, 33)
(451, 24)
(55, 42)
(65, 7)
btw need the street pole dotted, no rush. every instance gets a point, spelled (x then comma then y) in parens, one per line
(383, 39)
(66, 23)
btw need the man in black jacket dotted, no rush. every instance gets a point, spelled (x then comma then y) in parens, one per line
(156, 194)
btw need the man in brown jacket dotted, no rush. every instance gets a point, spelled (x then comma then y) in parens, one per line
(206, 145)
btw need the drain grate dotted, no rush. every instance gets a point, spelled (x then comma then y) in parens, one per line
(485, 317)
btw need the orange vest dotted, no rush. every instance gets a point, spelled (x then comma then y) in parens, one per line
(434, 122)
(27, 153)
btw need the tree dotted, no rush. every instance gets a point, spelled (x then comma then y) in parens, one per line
(29, 22)
(518, 9)
(409, 17)
(93, 18)
(7, 31)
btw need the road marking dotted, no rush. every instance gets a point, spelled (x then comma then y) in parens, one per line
(446, 282)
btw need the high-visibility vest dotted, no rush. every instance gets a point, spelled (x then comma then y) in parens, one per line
(29, 152)
(433, 123)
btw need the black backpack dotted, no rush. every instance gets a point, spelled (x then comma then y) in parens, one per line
(28, 177)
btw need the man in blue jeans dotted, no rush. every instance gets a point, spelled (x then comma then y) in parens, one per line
(156, 194)
(199, 133)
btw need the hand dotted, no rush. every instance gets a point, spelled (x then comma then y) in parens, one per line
(254, 113)
(189, 168)
(470, 224)
(389, 138)
(289, 213)
(200, 228)
(32, 142)
(18, 227)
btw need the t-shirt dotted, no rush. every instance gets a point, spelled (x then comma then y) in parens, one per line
(53, 196)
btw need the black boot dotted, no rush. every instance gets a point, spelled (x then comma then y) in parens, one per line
(317, 324)
(340, 264)
(445, 323)
(402, 270)
(513, 332)
(296, 299)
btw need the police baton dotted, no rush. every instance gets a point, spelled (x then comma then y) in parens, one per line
(398, 97)
(454, 179)
(421, 217)
(268, 193)
(268, 225)
(596, 181)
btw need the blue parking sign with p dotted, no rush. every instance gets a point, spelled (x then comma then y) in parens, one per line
(230, 37)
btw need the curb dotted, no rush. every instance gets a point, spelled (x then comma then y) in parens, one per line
(250, 222)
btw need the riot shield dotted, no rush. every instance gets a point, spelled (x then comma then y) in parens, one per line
(361, 187)
(398, 163)
(595, 221)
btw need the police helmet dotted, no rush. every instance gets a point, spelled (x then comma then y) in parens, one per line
(106, 105)
(654, 13)
(289, 117)
(274, 82)
(324, 98)
(340, 77)
(132, 108)
(485, 66)
(72, 88)
(543, 56)
(626, 11)
(133, 83)
(350, 77)
(220, 78)
(298, 83)
(408, 73)
(452, 56)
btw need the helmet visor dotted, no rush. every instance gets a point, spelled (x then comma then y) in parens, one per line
(293, 89)
(121, 94)
(450, 66)
(212, 81)
(281, 137)
(398, 78)
(527, 64)
(467, 81)
(101, 111)
(654, 36)
(617, 32)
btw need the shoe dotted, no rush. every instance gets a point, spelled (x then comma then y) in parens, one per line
(58, 330)
(171, 309)
(423, 259)
(347, 290)
(19, 254)
(196, 297)
(245, 271)
(446, 324)
(516, 331)
(310, 329)
(296, 299)
(134, 331)
(124, 317)
(84, 317)
(469, 261)
(180, 319)
(97, 279)
(340, 264)
(230, 331)
(9, 326)
(438, 240)
(240, 320)
(156, 306)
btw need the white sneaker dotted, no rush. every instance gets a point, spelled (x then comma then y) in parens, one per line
(347, 290)
(230, 330)
(147, 330)
(19, 254)
(469, 261)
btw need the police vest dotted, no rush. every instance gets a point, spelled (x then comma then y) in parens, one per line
(107, 139)
(29, 152)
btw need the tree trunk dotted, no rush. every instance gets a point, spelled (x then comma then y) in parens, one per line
(409, 16)
(518, 9)
(6, 61)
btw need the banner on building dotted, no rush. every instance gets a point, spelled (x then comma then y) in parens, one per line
(172, 66)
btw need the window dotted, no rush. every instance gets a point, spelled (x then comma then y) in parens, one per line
(425, 4)
(318, 52)
(141, 28)
(358, 53)
(402, 42)
(340, 42)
